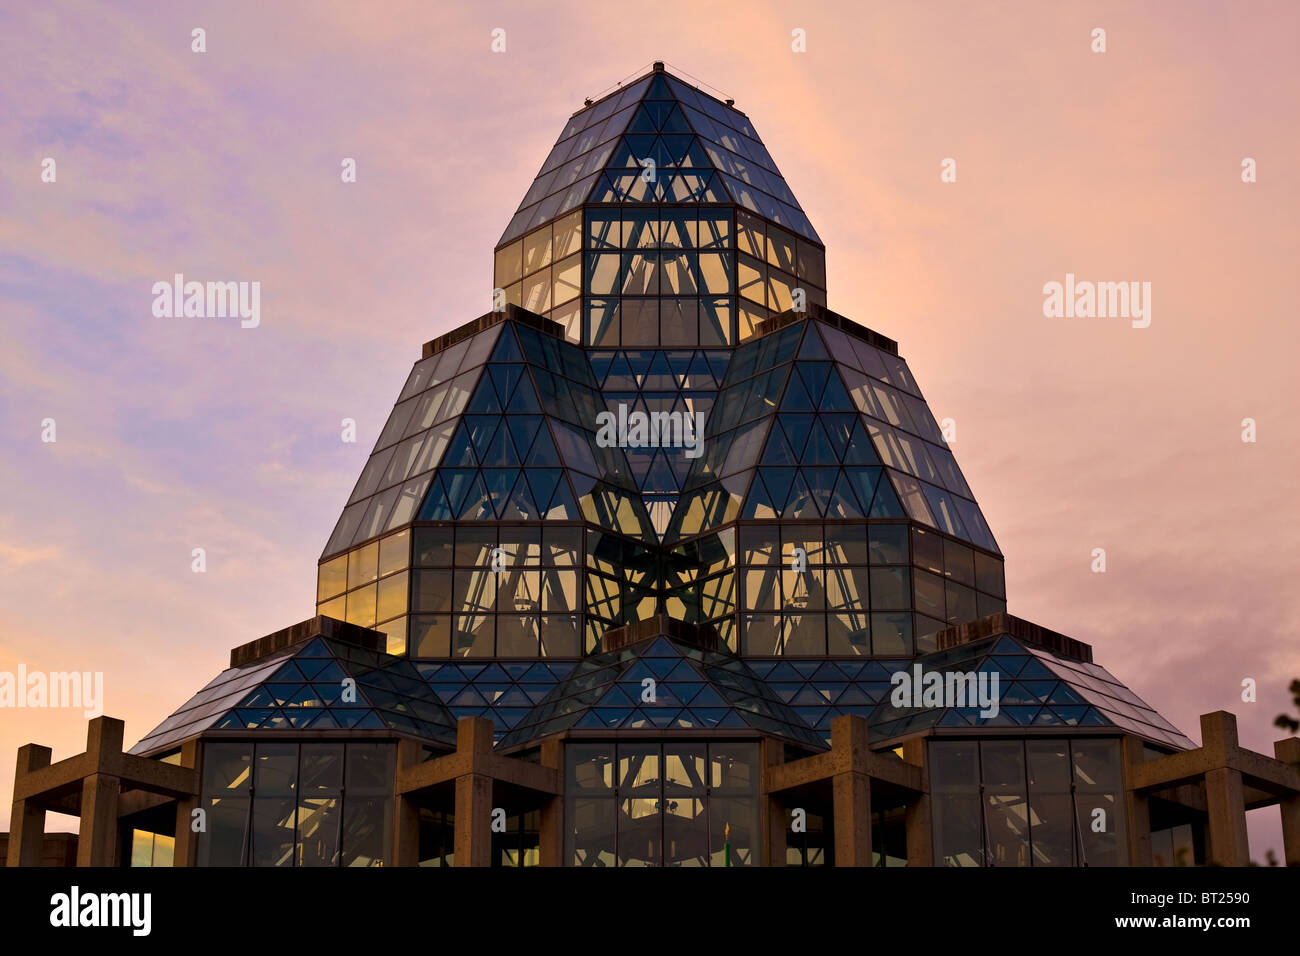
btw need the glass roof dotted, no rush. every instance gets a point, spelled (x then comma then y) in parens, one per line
(693, 689)
(813, 423)
(1036, 689)
(702, 151)
(303, 687)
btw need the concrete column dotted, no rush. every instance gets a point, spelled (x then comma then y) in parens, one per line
(187, 841)
(551, 830)
(104, 743)
(852, 791)
(1137, 808)
(919, 822)
(97, 844)
(406, 813)
(1288, 751)
(1227, 817)
(1219, 734)
(473, 818)
(27, 821)
(773, 815)
(852, 819)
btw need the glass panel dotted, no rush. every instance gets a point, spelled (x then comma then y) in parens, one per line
(1006, 805)
(363, 565)
(332, 578)
(275, 778)
(955, 790)
(1051, 808)
(394, 552)
(368, 807)
(318, 804)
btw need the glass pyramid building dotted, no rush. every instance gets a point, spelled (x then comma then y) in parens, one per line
(643, 558)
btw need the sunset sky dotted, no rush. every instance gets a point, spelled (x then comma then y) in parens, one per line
(1074, 434)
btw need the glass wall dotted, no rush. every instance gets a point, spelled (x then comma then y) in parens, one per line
(1035, 802)
(662, 804)
(323, 803)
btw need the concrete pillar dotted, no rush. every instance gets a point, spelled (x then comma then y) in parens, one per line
(773, 815)
(1137, 808)
(551, 830)
(1288, 751)
(187, 841)
(919, 822)
(1219, 734)
(473, 819)
(852, 819)
(406, 813)
(1227, 817)
(852, 791)
(104, 743)
(27, 821)
(97, 844)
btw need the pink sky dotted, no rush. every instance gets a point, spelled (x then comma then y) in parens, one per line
(1073, 433)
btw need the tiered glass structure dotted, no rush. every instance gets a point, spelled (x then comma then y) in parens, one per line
(819, 541)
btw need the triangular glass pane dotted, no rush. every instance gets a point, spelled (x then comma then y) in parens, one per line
(799, 503)
(501, 451)
(505, 378)
(674, 122)
(660, 477)
(658, 89)
(677, 147)
(796, 429)
(815, 376)
(524, 400)
(562, 506)
(460, 453)
(758, 503)
(778, 450)
(523, 429)
(886, 503)
(796, 397)
(812, 347)
(507, 349)
(835, 398)
(839, 429)
(860, 450)
(520, 504)
(435, 507)
(843, 503)
(485, 399)
(477, 505)
(778, 482)
(821, 484)
(818, 451)
(543, 453)
(481, 429)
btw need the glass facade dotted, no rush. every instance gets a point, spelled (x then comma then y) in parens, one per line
(318, 803)
(816, 541)
(1027, 802)
(662, 804)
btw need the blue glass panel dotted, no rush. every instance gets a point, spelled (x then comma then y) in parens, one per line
(812, 347)
(485, 398)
